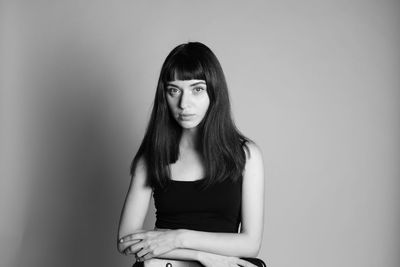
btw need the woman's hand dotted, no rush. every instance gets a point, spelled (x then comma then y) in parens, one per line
(214, 260)
(124, 244)
(149, 244)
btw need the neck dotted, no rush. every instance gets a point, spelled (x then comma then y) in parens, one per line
(189, 138)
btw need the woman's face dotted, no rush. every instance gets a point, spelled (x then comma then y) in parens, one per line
(188, 101)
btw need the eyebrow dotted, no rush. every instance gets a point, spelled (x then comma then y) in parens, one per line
(193, 84)
(197, 83)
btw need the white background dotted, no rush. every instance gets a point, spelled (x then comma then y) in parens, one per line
(315, 83)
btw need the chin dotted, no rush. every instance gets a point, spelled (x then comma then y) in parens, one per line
(188, 125)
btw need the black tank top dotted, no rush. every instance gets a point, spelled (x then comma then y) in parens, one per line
(184, 205)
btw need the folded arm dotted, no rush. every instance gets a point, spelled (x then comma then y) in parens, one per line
(244, 244)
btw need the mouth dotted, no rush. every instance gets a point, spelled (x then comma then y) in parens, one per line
(185, 117)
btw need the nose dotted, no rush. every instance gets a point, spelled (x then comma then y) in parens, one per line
(184, 101)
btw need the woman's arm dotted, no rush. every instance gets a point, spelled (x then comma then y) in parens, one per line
(206, 259)
(247, 243)
(189, 257)
(244, 244)
(193, 258)
(136, 204)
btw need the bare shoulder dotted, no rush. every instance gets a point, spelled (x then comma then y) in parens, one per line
(254, 166)
(253, 152)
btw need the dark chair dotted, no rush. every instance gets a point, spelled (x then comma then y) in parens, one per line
(176, 263)
(256, 261)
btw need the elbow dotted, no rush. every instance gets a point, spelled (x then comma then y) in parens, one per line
(119, 248)
(252, 248)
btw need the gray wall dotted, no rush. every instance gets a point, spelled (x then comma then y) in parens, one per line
(314, 83)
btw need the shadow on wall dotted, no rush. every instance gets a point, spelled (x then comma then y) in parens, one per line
(75, 199)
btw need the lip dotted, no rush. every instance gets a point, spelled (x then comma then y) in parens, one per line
(185, 117)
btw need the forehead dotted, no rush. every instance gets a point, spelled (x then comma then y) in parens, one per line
(186, 83)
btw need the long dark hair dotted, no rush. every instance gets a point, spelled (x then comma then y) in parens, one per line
(219, 142)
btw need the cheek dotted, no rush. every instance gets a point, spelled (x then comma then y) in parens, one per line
(206, 105)
(171, 105)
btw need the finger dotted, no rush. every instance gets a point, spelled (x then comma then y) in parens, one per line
(129, 251)
(127, 240)
(137, 247)
(123, 246)
(147, 256)
(131, 237)
(126, 251)
(142, 252)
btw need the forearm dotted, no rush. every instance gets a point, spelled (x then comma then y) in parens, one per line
(190, 245)
(183, 257)
(193, 258)
(181, 254)
(229, 244)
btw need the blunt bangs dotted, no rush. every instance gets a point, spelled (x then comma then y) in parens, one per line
(184, 66)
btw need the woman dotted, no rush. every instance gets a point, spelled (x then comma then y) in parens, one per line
(206, 178)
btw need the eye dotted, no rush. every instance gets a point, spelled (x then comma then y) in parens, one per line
(198, 89)
(173, 91)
